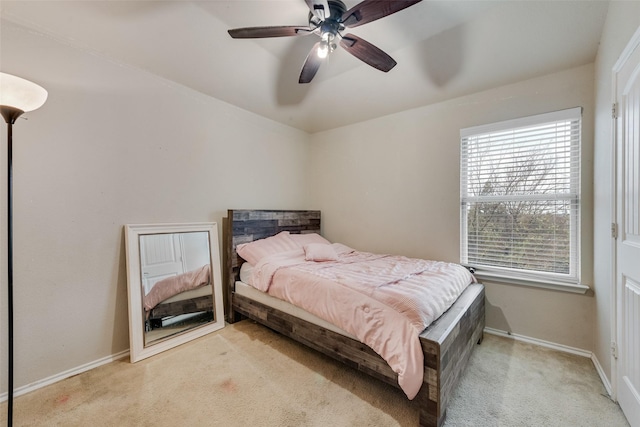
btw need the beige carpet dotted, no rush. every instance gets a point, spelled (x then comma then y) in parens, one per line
(246, 375)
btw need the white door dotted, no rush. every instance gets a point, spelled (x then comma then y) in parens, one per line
(160, 257)
(628, 243)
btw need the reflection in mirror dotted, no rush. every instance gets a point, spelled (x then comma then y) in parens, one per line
(175, 286)
(175, 275)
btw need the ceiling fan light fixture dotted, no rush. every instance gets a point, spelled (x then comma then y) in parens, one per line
(326, 45)
(323, 50)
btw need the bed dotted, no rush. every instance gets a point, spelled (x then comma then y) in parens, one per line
(446, 343)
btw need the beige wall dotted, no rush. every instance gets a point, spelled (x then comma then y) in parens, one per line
(114, 145)
(623, 19)
(392, 185)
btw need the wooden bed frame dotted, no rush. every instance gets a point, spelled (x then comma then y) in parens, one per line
(447, 343)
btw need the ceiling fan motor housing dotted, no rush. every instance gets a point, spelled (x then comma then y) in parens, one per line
(333, 23)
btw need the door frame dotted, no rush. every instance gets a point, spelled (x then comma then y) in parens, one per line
(632, 44)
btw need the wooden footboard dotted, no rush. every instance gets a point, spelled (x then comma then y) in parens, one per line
(447, 343)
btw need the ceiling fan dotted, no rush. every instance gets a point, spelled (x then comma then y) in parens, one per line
(327, 19)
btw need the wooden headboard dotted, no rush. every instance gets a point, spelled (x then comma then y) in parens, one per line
(243, 226)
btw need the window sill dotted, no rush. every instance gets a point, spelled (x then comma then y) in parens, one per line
(488, 276)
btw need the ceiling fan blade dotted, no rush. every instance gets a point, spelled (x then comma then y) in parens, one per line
(311, 65)
(370, 10)
(262, 32)
(319, 8)
(366, 52)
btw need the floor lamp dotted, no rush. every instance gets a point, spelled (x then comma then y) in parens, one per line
(17, 96)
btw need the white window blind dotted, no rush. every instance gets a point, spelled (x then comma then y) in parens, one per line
(520, 197)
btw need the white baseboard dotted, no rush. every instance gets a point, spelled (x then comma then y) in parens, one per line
(63, 375)
(559, 347)
(603, 377)
(542, 343)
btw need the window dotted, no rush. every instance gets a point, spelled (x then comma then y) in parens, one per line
(520, 199)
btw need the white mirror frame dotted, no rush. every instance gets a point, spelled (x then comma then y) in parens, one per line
(137, 349)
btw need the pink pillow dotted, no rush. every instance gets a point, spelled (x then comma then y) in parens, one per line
(320, 252)
(307, 238)
(254, 251)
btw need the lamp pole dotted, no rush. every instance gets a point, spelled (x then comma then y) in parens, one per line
(16, 97)
(10, 115)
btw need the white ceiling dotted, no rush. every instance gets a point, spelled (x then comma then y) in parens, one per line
(444, 49)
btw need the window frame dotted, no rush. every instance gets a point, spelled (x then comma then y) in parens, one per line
(559, 281)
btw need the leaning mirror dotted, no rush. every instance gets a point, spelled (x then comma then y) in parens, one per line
(175, 285)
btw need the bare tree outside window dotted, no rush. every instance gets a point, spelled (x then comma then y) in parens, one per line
(519, 198)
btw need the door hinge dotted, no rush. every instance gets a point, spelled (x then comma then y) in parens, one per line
(614, 230)
(614, 350)
(614, 110)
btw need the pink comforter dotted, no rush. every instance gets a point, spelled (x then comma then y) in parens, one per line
(385, 301)
(166, 288)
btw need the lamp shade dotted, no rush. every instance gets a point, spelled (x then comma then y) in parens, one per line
(20, 93)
